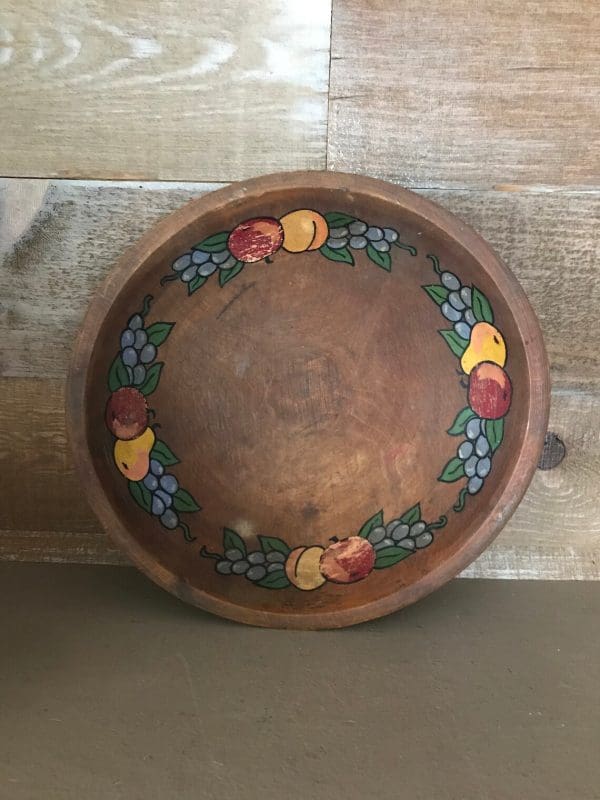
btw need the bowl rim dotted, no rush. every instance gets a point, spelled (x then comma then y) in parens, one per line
(134, 259)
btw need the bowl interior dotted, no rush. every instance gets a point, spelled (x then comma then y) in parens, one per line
(306, 399)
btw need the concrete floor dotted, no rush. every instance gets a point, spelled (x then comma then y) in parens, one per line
(111, 688)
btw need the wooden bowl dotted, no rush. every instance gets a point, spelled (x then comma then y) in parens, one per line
(307, 400)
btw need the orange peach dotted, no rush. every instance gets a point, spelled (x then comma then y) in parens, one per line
(302, 567)
(303, 230)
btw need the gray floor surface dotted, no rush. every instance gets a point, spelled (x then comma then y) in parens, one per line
(112, 689)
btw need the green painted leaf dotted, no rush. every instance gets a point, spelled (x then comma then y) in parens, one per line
(270, 543)
(225, 275)
(196, 283)
(453, 471)
(460, 423)
(456, 343)
(213, 244)
(494, 430)
(383, 260)
(184, 502)
(159, 332)
(343, 254)
(412, 515)
(374, 522)
(274, 580)
(141, 495)
(232, 540)
(163, 454)
(336, 219)
(152, 378)
(439, 294)
(481, 307)
(117, 375)
(388, 556)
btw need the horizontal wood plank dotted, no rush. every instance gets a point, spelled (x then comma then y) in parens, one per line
(554, 534)
(453, 93)
(58, 240)
(163, 90)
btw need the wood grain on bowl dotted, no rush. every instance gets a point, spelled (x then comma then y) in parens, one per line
(313, 388)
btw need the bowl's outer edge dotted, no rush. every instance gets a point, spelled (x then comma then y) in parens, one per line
(524, 467)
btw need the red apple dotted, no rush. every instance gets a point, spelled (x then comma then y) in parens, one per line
(126, 413)
(347, 561)
(255, 239)
(490, 391)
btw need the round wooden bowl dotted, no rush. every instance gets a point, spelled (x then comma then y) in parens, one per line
(307, 400)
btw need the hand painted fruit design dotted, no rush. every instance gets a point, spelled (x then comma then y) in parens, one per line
(138, 454)
(335, 235)
(132, 456)
(348, 560)
(303, 567)
(255, 239)
(126, 413)
(304, 230)
(275, 565)
(480, 347)
(473, 338)
(490, 391)
(486, 343)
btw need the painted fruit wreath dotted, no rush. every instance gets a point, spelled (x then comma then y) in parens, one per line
(147, 462)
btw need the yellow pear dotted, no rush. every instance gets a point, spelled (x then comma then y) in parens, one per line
(486, 344)
(132, 456)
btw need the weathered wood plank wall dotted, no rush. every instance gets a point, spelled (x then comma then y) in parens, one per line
(490, 110)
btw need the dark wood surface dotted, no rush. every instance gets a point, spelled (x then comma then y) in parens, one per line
(112, 689)
(336, 412)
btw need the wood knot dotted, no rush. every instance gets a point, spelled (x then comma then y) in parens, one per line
(553, 452)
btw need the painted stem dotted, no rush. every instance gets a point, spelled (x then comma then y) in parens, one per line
(167, 278)
(412, 250)
(441, 522)
(146, 305)
(460, 503)
(186, 532)
(436, 263)
(207, 554)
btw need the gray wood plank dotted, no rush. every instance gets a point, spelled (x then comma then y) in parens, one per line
(453, 93)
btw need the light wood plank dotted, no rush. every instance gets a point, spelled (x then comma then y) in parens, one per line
(59, 239)
(217, 90)
(453, 93)
(554, 534)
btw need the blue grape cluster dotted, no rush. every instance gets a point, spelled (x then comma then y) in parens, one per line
(398, 534)
(137, 353)
(457, 308)
(254, 566)
(162, 486)
(196, 263)
(475, 453)
(358, 235)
